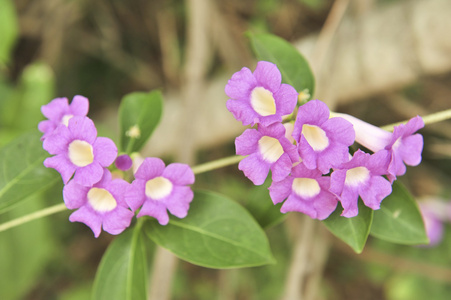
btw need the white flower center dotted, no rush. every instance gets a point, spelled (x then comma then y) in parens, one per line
(356, 176)
(158, 188)
(270, 148)
(80, 153)
(65, 119)
(101, 200)
(396, 144)
(262, 101)
(305, 187)
(315, 136)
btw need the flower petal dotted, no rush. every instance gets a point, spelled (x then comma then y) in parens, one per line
(89, 175)
(155, 209)
(281, 168)
(79, 106)
(179, 174)
(254, 169)
(88, 217)
(150, 168)
(105, 151)
(242, 111)
(178, 202)
(286, 99)
(116, 221)
(247, 142)
(268, 75)
(55, 109)
(135, 194)
(62, 165)
(240, 85)
(83, 128)
(74, 195)
(373, 193)
(279, 191)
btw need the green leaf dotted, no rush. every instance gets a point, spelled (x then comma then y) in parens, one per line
(25, 250)
(293, 66)
(255, 199)
(9, 28)
(353, 231)
(217, 233)
(399, 219)
(123, 271)
(22, 172)
(139, 115)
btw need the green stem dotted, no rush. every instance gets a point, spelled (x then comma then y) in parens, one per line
(33, 216)
(429, 119)
(216, 164)
(213, 165)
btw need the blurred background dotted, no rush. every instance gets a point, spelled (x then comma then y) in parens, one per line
(383, 61)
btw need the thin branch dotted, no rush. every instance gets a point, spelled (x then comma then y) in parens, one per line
(216, 164)
(33, 216)
(429, 119)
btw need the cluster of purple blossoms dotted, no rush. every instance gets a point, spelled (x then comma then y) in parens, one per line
(100, 199)
(312, 168)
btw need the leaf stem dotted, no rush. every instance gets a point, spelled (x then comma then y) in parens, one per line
(429, 119)
(33, 216)
(216, 164)
(209, 166)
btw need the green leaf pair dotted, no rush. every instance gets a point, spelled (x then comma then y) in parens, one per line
(398, 220)
(217, 233)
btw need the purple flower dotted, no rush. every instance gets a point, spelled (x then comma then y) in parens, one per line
(435, 213)
(322, 142)
(361, 176)
(268, 149)
(260, 97)
(123, 162)
(158, 188)
(78, 150)
(101, 205)
(58, 112)
(403, 146)
(306, 191)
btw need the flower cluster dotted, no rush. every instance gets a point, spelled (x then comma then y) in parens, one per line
(102, 200)
(311, 166)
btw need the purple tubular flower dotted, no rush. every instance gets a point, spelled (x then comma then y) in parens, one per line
(101, 205)
(58, 112)
(78, 150)
(403, 146)
(322, 142)
(123, 162)
(268, 149)
(435, 213)
(306, 191)
(158, 188)
(260, 97)
(361, 176)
